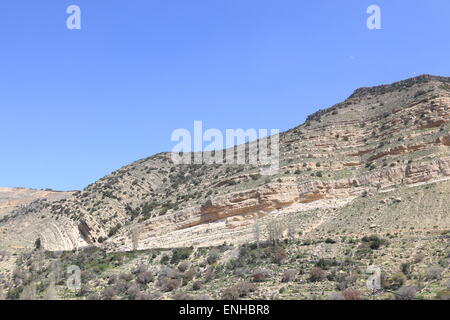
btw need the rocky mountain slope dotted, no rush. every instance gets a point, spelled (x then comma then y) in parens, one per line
(376, 162)
(13, 198)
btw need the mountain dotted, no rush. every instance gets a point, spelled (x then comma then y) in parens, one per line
(12, 198)
(362, 184)
(382, 146)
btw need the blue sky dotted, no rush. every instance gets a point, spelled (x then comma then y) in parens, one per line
(78, 104)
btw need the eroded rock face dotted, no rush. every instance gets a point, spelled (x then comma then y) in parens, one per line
(381, 139)
(240, 209)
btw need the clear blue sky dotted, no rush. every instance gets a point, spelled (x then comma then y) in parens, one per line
(76, 105)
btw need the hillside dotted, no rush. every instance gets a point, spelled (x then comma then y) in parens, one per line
(13, 198)
(380, 140)
(377, 163)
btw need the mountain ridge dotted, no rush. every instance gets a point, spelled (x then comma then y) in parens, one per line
(325, 163)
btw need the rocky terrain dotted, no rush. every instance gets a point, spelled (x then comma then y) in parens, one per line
(13, 198)
(375, 164)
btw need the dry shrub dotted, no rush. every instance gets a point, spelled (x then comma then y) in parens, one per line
(345, 281)
(239, 290)
(166, 272)
(182, 296)
(197, 285)
(394, 282)
(19, 277)
(189, 275)
(434, 273)
(112, 279)
(143, 296)
(336, 296)
(145, 277)
(260, 275)
(133, 291)
(418, 257)
(141, 268)
(183, 266)
(122, 286)
(93, 296)
(126, 276)
(119, 259)
(316, 274)
(406, 293)
(109, 293)
(289, 275)
(168, 279)
(352, 294)
(279, 255)
(209, 275)
(171, 284)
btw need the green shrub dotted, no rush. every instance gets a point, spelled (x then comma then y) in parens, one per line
(14, 293)
(326, 264)
(374, 241)
(180, 254)
(165, 259)
(406, 268)
(420, 93)
(213, 257)
(114, 230)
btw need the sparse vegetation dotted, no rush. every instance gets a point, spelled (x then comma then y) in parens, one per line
(347, 197)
